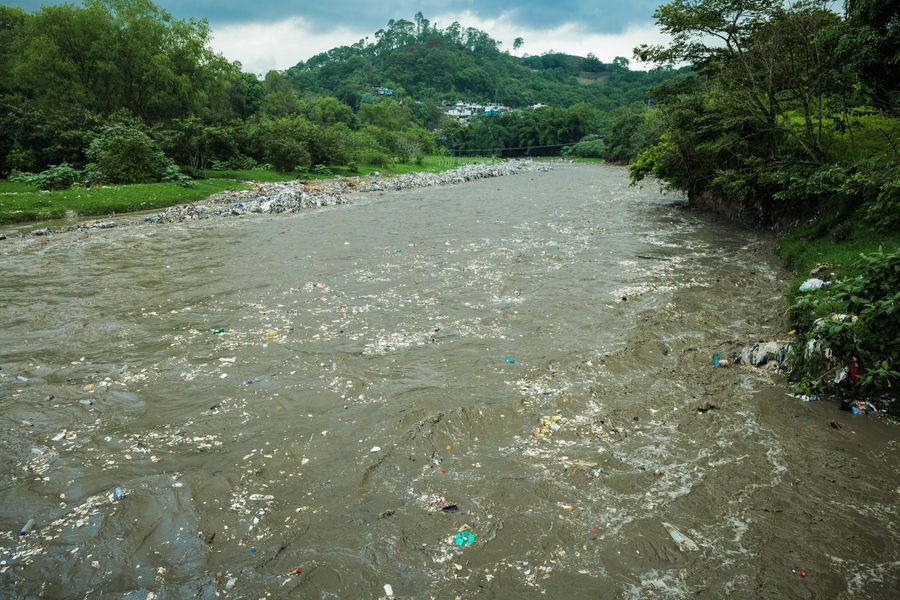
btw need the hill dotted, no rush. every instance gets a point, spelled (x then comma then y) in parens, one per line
(419, 60)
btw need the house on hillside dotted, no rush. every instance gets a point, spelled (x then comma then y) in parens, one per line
(383, 91)
(464, 111)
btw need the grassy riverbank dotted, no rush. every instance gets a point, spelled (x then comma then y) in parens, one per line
(21, 203)
(818, 242)
(25, 205)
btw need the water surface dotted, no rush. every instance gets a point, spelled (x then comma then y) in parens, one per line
(530, 353)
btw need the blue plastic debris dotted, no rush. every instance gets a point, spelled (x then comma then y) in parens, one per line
(464, 538)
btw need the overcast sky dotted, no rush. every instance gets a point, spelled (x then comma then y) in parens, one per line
(265, 35)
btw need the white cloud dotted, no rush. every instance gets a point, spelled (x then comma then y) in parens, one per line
(570, 38)
(261, 47)
(282, 44)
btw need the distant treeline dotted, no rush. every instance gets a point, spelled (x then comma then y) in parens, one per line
(87, 86)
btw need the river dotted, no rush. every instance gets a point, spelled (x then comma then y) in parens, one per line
(320, 404)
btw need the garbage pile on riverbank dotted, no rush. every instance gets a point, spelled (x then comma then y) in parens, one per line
(293, 196)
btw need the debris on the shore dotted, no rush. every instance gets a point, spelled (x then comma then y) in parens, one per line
(294, 196)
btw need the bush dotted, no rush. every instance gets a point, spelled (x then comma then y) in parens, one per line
(174, 175)
(854, 320)
(590, 146)
(124, 154)
(59, 177)
(286, 154)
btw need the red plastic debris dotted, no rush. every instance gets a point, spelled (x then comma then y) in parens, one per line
(802, 573)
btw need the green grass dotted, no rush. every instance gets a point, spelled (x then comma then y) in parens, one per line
(869, 135)
(249, 175)
(430, 164)
(12, 187)
(101, 201)
(815, 243)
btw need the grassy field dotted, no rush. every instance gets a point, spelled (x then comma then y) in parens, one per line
(18, 206)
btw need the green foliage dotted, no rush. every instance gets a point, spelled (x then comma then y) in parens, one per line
(174, 175)
(853, 320)
(125, 154)
(590, 146)
(58, 177)
(541, 131)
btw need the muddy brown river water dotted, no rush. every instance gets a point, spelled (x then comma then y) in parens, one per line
(520, 365)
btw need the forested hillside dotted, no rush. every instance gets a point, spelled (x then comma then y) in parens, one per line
(119, 91)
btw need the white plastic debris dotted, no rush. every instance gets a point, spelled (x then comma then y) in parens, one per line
(812, 284)
(685, 544)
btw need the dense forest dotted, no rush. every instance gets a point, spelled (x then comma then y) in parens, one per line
(119, 91)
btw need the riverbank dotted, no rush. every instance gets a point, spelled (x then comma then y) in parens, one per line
(20, 203)
(24, 203)
(293, 196)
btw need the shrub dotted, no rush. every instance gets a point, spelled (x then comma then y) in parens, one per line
(124, 154)
(590, 146)
(59, 177)
(174, 175)
(852, 320)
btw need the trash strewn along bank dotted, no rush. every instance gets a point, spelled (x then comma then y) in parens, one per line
(293, 196)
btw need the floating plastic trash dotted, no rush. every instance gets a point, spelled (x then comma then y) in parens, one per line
(685, 544)
(388, 590)
(716, 360)
(509, 360)
(464, 538)
(118, 493)
(27, 527)
(860, 407)
(218, 330)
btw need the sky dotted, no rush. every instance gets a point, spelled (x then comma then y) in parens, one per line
(278, 34)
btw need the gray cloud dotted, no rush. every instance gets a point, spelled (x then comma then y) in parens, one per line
(600, 16)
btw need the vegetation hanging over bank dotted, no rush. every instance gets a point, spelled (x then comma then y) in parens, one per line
(791, 117)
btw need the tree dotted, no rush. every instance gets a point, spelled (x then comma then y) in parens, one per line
(518, 43)
(124, 154)
(763, 57)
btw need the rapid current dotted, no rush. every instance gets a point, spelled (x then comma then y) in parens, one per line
(499, 389)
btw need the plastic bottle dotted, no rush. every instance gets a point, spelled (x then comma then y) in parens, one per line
(27, 527)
